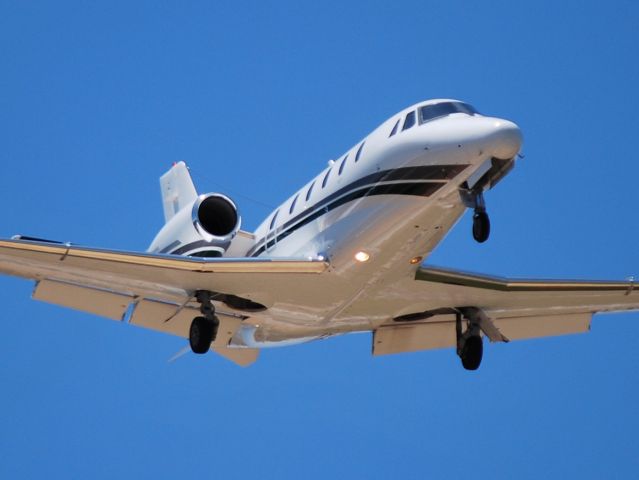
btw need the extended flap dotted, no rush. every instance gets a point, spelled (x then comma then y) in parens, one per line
(413, 337)
(176, 320)
(99, 302)
(439, 331)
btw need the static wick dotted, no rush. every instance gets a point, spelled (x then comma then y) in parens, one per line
(66, 252)
(631, 286)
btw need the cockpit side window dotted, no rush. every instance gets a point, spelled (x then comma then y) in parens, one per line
(394, 130)
(431, 112)
(326, 177)
(341, 167)
(409, 121)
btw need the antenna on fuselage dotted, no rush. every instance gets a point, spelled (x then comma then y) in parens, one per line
(235, 193)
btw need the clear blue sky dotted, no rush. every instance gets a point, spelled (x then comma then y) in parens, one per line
(98, 99)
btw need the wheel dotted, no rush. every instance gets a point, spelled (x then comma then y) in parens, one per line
(472, 352)
(201, 334)
(481, 226)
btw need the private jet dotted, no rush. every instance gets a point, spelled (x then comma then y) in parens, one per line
(345, 253)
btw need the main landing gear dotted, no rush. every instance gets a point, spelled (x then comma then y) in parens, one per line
(470, 347)
(203, 329)
(481, 221)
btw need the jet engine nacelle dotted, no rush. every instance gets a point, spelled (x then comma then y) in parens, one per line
(215, 216)
(203, 228)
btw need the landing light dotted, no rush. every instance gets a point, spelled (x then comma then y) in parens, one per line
(362, 256)
(416, 260)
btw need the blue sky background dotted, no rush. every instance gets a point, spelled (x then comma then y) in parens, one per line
(97, 101)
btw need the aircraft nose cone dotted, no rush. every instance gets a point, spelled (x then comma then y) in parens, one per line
(506, 139)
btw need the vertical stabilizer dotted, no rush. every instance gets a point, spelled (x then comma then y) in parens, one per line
(177, 189)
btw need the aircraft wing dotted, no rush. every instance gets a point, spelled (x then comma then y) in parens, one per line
(517, 309)
(153, 291)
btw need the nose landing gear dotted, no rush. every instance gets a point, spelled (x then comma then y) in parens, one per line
(481, 222)
(203, 329)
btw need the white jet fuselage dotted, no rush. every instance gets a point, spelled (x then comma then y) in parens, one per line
(389, 203)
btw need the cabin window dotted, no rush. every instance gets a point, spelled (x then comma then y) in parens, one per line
(410, 121)
(394, 130)
(273, 220)
(310, 190)
(290, 210)
(341, 167)
(326, 177)
(359, 152)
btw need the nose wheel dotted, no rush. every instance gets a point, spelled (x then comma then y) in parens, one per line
(203, 329)
(481, 221)
(481, 226)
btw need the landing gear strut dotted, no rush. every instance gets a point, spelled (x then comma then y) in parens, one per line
(470, 347)
(481, 221)
(203, 329)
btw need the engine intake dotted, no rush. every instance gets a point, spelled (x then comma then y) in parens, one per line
(215, 215)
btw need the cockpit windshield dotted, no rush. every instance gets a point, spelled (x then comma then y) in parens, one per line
(430, 112)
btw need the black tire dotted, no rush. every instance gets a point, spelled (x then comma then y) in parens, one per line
(472, 352)
(201, 334)
(481, 226)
